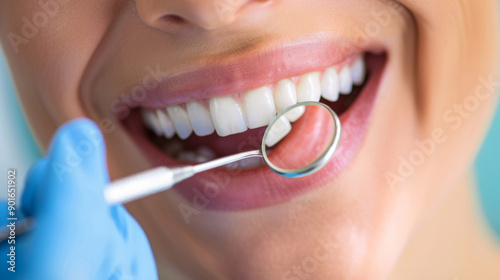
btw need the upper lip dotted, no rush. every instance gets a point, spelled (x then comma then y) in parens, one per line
(244, 71)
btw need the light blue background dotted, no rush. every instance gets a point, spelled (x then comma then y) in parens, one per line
(17, 149)
(488, 174)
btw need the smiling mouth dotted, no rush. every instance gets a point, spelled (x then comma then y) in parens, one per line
(199, 131)
(173, 133)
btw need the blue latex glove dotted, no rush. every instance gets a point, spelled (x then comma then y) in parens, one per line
(77, 235)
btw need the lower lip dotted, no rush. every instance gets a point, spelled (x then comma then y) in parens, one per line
(233, 190)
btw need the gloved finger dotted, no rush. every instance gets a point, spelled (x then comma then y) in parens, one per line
(73, 212)
(74, 142)
(76, 158)
(76, 173)
(136, 245)
(75, 226)
(33, 186)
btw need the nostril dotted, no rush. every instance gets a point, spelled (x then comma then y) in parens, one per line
(173, 19)
(172, 23)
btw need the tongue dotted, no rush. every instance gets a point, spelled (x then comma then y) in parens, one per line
(232, 144)
(306, 142)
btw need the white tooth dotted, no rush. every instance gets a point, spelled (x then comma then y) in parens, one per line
(259, 107)
(181, 122)
(285, 95)
(151, 121)
(295, 114)
(201, 158)
(200, 119)
(330, 84)
(147, 118)
(187, 156)
(309, 88)
(251, 163)
(358, 71)
(278, 131)
(165, 123)
(206, 152)
(345, 80)
(227, 116)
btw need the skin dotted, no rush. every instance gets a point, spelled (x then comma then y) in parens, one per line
(443, 236)
(89, 51)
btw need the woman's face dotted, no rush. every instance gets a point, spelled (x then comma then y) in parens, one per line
(410, 131)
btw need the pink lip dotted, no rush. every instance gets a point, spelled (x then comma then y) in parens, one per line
(238, 190)
(248, 70)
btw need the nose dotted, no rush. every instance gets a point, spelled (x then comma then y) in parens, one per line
(172, 15)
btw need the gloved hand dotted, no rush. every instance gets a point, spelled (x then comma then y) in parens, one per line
(77, 235)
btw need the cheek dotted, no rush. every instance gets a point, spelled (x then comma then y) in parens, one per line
(48, 45)
(458, 85)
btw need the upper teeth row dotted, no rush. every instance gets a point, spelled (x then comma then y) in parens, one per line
(257, 108)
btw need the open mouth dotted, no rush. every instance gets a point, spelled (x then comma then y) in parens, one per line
(200, 130)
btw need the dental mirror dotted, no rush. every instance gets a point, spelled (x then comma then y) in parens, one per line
(299, 141)
(303, 147)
